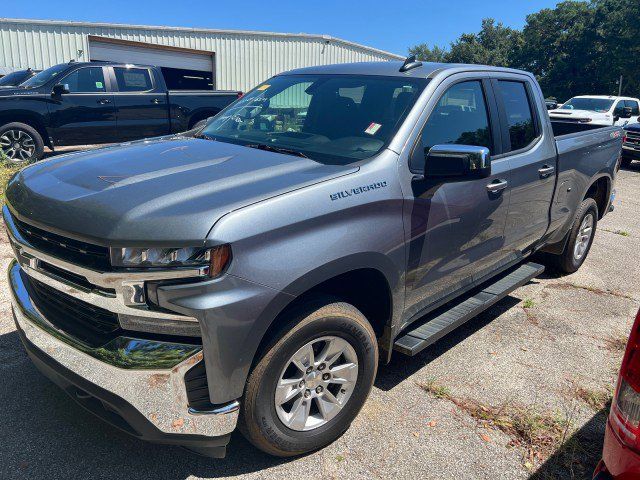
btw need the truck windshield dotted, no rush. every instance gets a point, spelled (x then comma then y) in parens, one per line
(599, 105)
(336, 119)
(44, 76)
(14, 78)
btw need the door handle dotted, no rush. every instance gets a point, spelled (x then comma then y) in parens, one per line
(546, 170)
(497, 185)
(156, 101)
(104, 101)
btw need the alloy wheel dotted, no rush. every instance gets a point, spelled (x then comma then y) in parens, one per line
(584, 237)
(17, 145)
(316, 383)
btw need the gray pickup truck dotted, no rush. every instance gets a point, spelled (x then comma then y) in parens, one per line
(254, 273)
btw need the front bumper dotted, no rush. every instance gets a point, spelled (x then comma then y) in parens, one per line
(150, 403)
(631, 152)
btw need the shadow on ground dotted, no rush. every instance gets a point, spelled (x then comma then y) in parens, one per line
(579, 455)
(44, 434)
(402, 367)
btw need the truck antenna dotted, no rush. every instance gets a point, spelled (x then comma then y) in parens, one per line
(410, 63)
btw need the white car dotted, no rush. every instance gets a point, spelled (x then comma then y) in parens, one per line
(599, 110)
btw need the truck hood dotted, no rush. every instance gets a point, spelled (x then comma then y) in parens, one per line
(559, 113)
(165, 191)
(632, 127)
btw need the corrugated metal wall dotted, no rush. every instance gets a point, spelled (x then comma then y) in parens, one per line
(243, 59)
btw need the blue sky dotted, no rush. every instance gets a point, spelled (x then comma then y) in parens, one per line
(385, 24)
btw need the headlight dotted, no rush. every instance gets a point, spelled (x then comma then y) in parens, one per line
(216, 258)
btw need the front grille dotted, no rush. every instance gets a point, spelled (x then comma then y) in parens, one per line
(633, 139)
(92, 325)
(74, 251)
(195, 381)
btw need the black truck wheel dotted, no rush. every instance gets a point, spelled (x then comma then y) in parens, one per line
(20, 143)
(580, 238)
(311, 381)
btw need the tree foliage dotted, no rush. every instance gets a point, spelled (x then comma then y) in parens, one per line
(575, 48)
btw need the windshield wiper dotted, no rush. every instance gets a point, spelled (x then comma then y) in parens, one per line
(272, 148)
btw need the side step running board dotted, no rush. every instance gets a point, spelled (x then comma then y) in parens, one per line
(411, 342)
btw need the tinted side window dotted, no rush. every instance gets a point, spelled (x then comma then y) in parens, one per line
(517, 107)
(133, 79)
(85, 80)
(460, 117)
(619, 108)
(635, 110)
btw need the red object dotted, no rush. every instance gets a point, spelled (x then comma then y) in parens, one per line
(621, 452)
(240, 94)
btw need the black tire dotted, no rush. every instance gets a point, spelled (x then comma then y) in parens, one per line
(21, 133)
(567, 262)
(625, 162)
(259, 421)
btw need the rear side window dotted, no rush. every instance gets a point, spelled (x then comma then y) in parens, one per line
(133, 79)
(634, 107)
(85, 80)
(460, 117)
(522, 130)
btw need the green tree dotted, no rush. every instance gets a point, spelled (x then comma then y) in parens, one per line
(429, 54)
(575, 48)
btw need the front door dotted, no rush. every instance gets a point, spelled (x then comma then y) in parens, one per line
(85, 115)
(456, 225)
(141, 105)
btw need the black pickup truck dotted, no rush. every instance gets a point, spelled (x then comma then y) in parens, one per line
(97, 102)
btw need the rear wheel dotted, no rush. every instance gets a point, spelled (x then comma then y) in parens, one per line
(20, 143)
(580, 238)
(311, 381)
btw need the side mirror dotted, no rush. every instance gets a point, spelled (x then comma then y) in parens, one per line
(60, 89)
(627, 112)
(458, 161)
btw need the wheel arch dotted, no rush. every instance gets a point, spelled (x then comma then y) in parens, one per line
(32, 119)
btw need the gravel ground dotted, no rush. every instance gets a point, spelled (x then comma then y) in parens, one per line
(550, 350)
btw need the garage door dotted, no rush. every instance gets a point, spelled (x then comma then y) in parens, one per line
(149, 55)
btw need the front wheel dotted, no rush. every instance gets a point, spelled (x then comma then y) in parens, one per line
(310, 382)
(20, 143)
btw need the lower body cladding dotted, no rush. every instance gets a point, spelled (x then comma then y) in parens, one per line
(147, 402)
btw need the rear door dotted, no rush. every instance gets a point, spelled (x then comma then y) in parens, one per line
(456, 225)
(141, 103)
(86, 114)
(528, 143)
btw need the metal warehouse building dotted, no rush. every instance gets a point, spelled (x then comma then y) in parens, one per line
(220, 59)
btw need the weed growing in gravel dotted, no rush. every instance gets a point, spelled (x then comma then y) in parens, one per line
(528, 303)
(622, 233)
(538, 433)
(616, 344)
(596, 399)
(438, 391)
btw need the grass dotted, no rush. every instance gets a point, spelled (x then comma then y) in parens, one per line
(622, 233)
(596, 399)
(6, 172)
(616, 344)
(436, 390)
(538, 433)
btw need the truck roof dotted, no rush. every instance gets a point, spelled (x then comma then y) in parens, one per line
(606, 97)
(392, 68)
